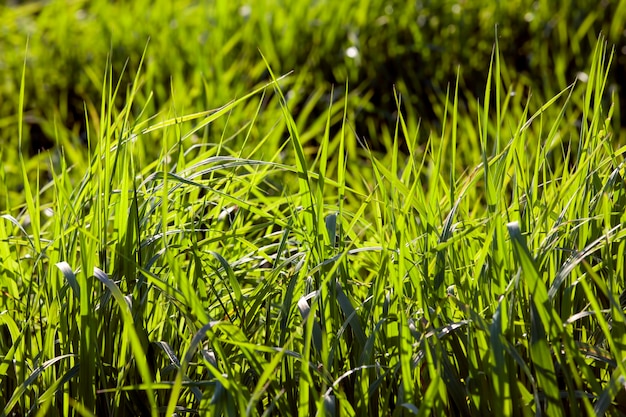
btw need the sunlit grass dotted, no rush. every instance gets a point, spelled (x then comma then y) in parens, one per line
(477, 274)
(202, 54)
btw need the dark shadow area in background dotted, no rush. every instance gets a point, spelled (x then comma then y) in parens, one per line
(416, 47)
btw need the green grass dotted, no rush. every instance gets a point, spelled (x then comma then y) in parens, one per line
(253, 275)
(225, 237)
(202, 54)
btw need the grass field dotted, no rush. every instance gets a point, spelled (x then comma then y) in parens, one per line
(204, 232)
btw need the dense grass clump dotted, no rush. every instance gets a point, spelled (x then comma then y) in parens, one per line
(221, 263)
(334, 208)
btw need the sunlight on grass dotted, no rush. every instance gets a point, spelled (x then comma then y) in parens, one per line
(242, 260)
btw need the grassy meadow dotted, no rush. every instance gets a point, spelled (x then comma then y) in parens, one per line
(339, 208)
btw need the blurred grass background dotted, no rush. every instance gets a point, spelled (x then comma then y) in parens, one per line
(201, 54)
